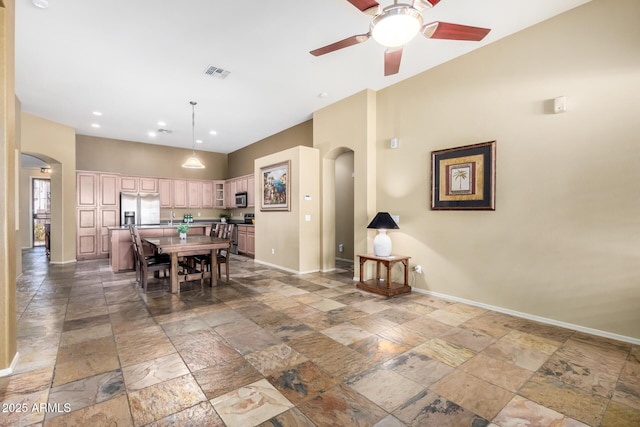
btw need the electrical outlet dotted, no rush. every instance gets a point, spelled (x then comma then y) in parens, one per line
(273, 251)
(418, 269)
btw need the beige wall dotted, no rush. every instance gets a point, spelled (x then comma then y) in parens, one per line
(8, 147)
(344, 205)
(55, 143)
(241, 161)
(349, 125)
(285, 238)
(563, 241)
(136, 158)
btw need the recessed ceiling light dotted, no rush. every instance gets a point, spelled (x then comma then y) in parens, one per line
(97, 113)
(161, 123)
(199, 141)
(42, 4)
(213, 132)
(152, 134)
(323, 95)
(95, 125)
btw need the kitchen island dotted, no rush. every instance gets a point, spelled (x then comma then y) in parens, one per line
(120, 246)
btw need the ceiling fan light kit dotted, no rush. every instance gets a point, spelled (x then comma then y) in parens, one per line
(396, 25)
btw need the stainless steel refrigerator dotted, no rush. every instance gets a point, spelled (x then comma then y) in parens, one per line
(145, 206)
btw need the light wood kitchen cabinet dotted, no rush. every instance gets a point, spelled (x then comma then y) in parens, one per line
(139, 184)
(179, 194)
(129, 183)
(194, 194)
(165, 188)
(87, 233)
(109, 190)
(97, 208)
(238, 185)
(108, 210)
(241, 184)
(87, 189)
(147, 185)
(251, 191)
(246, 240)
(230, 202)
(251, 241)
(219, 188)
(207, 195)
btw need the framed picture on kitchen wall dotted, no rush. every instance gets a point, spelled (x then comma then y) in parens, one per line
(464, 178)
(275, 189)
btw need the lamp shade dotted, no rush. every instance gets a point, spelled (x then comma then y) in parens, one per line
(382, 242)
(383, 221)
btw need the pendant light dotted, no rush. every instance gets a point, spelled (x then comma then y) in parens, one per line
(193, 162)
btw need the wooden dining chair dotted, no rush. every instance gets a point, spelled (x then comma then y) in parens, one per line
(202, 262)
(146, 264)
(223, 254)
(195, 261)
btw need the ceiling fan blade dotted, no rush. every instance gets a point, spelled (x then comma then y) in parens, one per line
(423, 4)
(392, 58)
(349, 41)
(370, 7)
(445, 30)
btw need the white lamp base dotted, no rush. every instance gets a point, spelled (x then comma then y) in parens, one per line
(382, 244)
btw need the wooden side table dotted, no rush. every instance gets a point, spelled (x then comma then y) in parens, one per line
(384, 286)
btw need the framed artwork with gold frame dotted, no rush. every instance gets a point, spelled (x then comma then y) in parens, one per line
(275, 189)
(464, 178)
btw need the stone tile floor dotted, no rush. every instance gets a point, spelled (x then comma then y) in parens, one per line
(276, 349)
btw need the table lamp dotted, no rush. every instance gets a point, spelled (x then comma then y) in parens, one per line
(382, 242)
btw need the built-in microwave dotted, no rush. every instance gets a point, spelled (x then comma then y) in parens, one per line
(241, 199)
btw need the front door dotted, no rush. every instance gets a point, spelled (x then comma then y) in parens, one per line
(41, 206)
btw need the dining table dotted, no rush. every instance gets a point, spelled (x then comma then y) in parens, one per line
(191, 245)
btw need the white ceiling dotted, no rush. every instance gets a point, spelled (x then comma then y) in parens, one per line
(142, 61)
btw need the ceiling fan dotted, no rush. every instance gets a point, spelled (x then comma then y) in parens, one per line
(397, 24)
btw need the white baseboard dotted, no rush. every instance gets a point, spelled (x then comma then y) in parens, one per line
(12, 366)
(533, 317)
(279, 267)
(63, 262)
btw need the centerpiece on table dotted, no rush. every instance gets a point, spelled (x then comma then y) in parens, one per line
(182, 230)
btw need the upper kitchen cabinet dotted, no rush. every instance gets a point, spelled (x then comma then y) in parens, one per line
(194, 194)
(87, 188)
(207, 195)
(138, 184)
(109, 190)
(165, 188)
(251, 191)
(179, 193)
(219, 188)
(240, 184)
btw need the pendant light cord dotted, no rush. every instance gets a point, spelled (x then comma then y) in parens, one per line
(193, 127)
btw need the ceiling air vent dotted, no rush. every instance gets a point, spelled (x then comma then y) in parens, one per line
(216, 72)
(164, 131)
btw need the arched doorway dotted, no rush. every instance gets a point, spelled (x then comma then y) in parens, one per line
(39, 184)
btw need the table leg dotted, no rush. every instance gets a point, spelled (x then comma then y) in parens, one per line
(214, 267)
(389, 268)
(406, 272)
(175, 286)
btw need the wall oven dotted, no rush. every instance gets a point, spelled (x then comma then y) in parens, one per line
(241, 199)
